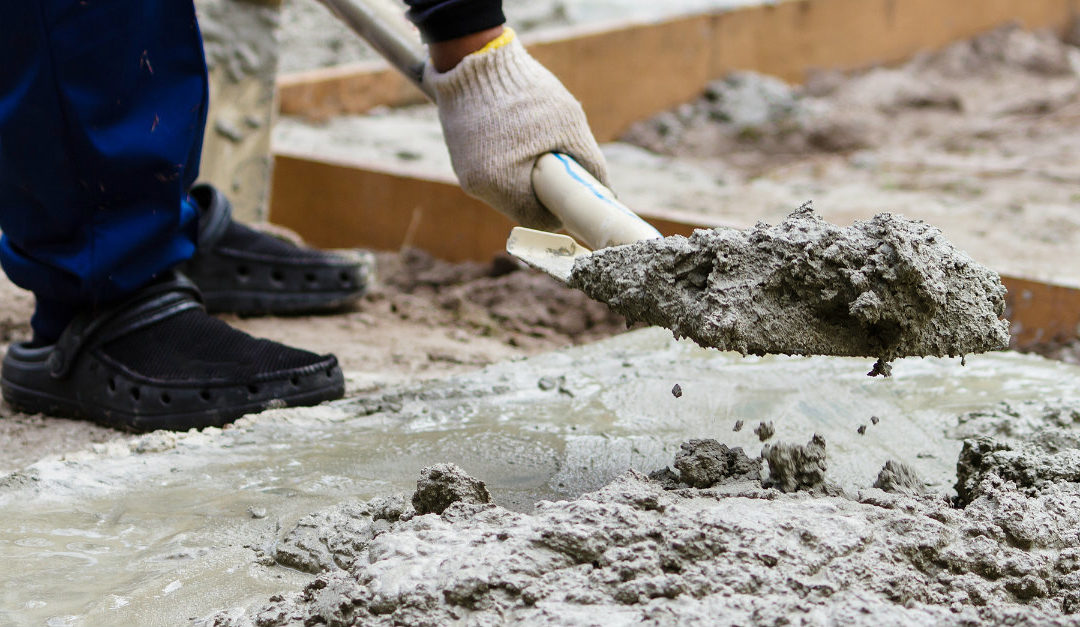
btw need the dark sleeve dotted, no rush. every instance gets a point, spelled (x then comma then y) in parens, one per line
(440, 20)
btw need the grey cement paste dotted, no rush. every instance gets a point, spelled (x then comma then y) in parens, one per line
(160, 529)
(634, 552)
(886, 287)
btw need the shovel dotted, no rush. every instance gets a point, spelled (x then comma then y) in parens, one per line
(588, 209)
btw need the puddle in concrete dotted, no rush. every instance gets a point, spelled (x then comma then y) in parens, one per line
(124, 537)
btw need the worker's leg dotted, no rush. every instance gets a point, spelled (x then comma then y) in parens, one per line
(102, 107)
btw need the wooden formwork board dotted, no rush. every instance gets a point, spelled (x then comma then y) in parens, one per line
(629, 72)
(343, 205)
(338, 205)
(1041, 313)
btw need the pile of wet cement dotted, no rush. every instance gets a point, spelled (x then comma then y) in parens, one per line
(887, 287)
(660, 551)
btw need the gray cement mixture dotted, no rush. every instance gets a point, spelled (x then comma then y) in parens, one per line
(709, 540)
(886, 287)
(164, 527)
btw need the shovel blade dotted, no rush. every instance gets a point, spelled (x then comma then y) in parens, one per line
(548, 252)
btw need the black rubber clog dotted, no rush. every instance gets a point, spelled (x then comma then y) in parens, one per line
(244, 271)
(159, 361)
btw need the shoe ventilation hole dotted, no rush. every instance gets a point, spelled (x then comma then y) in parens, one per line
(165, 399)
(135, 393)
(242, 271)
(295, 381)
(253, 389)
(205, 395)
(309, 277)
(277, 275)
(112, 385)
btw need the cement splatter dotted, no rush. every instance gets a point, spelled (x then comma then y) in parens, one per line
(887, 287)
(765, 430)
(899, 478)
(793, 467)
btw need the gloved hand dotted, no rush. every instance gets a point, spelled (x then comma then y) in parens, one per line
(500, 111)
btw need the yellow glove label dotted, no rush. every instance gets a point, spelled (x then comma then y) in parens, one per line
(505, 38)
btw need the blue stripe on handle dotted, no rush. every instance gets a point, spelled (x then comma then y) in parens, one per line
(567, 161)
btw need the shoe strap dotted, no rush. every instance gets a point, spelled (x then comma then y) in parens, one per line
(150, 305)
(215, 216)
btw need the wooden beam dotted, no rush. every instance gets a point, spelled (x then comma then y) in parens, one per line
(1041, 313)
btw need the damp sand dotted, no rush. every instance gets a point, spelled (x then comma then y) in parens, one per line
(887, 287)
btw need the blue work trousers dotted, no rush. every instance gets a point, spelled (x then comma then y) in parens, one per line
(102, 110)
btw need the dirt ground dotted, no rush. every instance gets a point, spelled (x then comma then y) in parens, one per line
(423, 318)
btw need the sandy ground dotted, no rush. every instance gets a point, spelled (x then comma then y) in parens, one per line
(423, 319)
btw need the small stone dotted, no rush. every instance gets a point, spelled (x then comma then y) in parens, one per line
(765, 430)
(547, 383)
(738, 426)
(677, 391)
(257, 512)
(875, 419)
(862, 429)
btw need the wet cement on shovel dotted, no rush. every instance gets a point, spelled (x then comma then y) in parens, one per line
(887, 287)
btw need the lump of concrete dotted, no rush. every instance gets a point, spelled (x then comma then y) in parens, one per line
(705, 463)
(442, 485)
(793, 467)
(765, 431)
(332, 538)
(1028, 465)
(899, 478)
(887, 287)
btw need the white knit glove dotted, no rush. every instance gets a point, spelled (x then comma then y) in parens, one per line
(500, 111)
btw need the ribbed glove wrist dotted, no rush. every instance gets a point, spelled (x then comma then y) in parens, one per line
(500, 111)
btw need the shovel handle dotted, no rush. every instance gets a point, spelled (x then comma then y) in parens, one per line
(586, 207)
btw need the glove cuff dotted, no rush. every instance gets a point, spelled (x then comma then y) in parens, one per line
(490, 75)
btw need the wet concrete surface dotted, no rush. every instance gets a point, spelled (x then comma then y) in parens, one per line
(162, 529)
